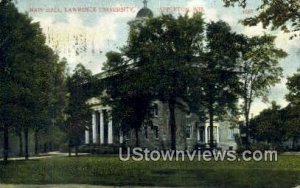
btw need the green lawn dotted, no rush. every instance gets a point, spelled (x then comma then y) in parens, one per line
(111, 171)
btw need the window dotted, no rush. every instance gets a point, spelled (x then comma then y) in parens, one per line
(230, 134)
(188, 114)
(155, 109)
(200, 136)
(188, 130)
(146, 132)
(155, 131)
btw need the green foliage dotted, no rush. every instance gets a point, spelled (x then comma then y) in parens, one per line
(293, 86)
(276, 125)
(268, 126)
(260, 69)
(260, 146)
(157, 63)
(171, 59)
(218, 76)
(164, 49)
(292, 111)
(125, 94)
(291, 116)
(260, 65)
(220, 62)
(241, 3)
(78, 111)
(275, 13)
(27, 70)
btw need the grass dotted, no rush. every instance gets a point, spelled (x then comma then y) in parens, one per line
(111, 171)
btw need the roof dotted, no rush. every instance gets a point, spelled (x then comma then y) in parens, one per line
(144, 12)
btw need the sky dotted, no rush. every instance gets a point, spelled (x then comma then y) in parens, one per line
(83, 31)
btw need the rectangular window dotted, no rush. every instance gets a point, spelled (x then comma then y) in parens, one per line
(155, 131)
(201, 134)
(230, 134)
(188, 130)
(188, 127)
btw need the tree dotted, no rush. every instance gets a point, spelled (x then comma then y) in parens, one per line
(218, 94)
(125, 94)
(292, 111)
(58, 103)
(276, 125)
(293, 86)
(291, 118)
(8, 14)
(163, 50)
(268, 126)
(51, 97)
(260, 69)
(25, 67)
(43, 92)
(275, 13)
(78, 111)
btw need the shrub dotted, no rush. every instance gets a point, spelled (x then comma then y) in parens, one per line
(261, 146)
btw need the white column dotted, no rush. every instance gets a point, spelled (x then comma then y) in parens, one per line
(206, 135)
(87, 136)
(110, 131)
(101, 127)
(218, 136)
(198, 134)
(121, 137)
(94, 128)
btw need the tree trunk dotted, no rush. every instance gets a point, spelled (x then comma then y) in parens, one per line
(137, 141)
(20, 144)
(50, 146)
(172, 123)
(247, 120)
(248, 102)
(76, 150)
(247, 129)
(36, 142)
(26, 143)
(5, 142)
(246, 112)
(45, 147)
(211, 127)
(69, 148)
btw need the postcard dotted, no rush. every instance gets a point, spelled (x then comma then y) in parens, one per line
(149, 93)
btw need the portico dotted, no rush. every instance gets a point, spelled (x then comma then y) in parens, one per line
(203, 134)
(101, 127)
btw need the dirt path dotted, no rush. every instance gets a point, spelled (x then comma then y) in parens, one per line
(52, 186)
(44, 155)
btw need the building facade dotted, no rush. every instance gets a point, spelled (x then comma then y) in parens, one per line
(191, 133)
